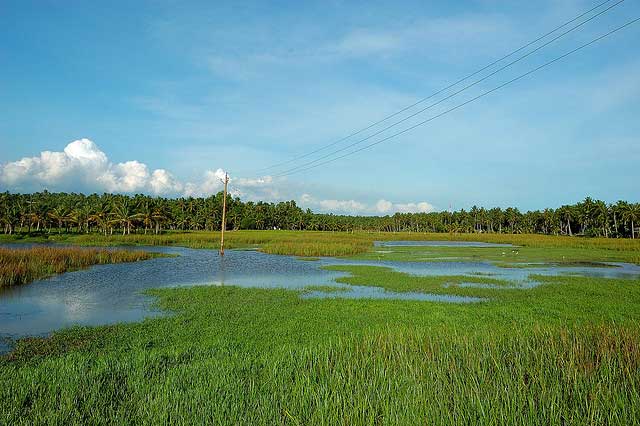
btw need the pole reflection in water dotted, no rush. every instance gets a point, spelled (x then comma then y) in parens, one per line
(221, 271)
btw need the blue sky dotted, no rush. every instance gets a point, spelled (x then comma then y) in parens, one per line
(158, 96)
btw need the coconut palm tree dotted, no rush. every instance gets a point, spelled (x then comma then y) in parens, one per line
(124, 214)
(145, 214)
(631, 214)
(100, 215)
(59, 214)
(601, 217)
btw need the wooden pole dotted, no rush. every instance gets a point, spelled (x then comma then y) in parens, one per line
(224, 214)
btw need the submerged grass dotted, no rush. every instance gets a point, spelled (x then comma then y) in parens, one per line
(21, 266)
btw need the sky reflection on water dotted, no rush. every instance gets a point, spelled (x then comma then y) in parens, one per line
(106, 294)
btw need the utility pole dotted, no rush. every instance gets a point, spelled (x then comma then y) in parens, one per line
(224, 213)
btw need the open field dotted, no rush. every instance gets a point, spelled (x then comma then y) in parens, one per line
(23, 265)
(311, 243)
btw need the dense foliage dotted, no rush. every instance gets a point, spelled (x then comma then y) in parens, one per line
(109, 213)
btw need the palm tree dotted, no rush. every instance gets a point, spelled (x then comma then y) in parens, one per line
(59, 215)
(145, 215)
(100, 215)
(631, 214)
(566, 215)
(124, 214)
(160, 215)
(601, 215)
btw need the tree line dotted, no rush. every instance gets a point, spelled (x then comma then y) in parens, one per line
(108, 213)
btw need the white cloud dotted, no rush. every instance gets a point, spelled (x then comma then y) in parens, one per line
(82, 166)
(350, 206)
(163, 182)
(384, 206)
(86, 152)
(81, 159)
(421, 207)
(356, 207)
(130, 176)
(211, 184)
(387, 207)
(333, 206)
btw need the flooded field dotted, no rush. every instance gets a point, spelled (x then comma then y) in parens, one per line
(106, 294)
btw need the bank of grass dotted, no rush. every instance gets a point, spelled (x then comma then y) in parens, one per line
(562, 255)
(23, 265)
(567, 352)
(315, 243)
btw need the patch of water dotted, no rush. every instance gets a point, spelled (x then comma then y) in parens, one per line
(106, 294)
(6, 343)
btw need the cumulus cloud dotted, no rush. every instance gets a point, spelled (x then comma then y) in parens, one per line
(83, 166)
(335, 206)
(384, 206)
(163, 182)
(387, 207)
(81, 160)
(355, 207)
(130, 176)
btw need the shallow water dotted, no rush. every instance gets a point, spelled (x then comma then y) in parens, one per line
(106, 294)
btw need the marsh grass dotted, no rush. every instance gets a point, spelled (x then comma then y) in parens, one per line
(545, 376)
(316, 243)
(21, 266)
(252, 356)
(565, 352)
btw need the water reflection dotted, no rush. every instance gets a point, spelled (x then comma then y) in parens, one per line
(107, 294)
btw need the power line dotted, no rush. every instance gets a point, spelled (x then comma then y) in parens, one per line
(473, 99)
(437, 92)
(450, 95)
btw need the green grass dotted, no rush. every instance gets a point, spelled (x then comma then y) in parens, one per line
(312, 244)
(23, 265)
(325, 288)
(565, 352)
(568, 256)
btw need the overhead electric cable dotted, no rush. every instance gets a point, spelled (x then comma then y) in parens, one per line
(308, 163)
(472, 99)
(437, 92)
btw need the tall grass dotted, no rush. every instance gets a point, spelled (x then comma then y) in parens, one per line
(250, 356)
(318, 243)
(21, 266)
(548, 376)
